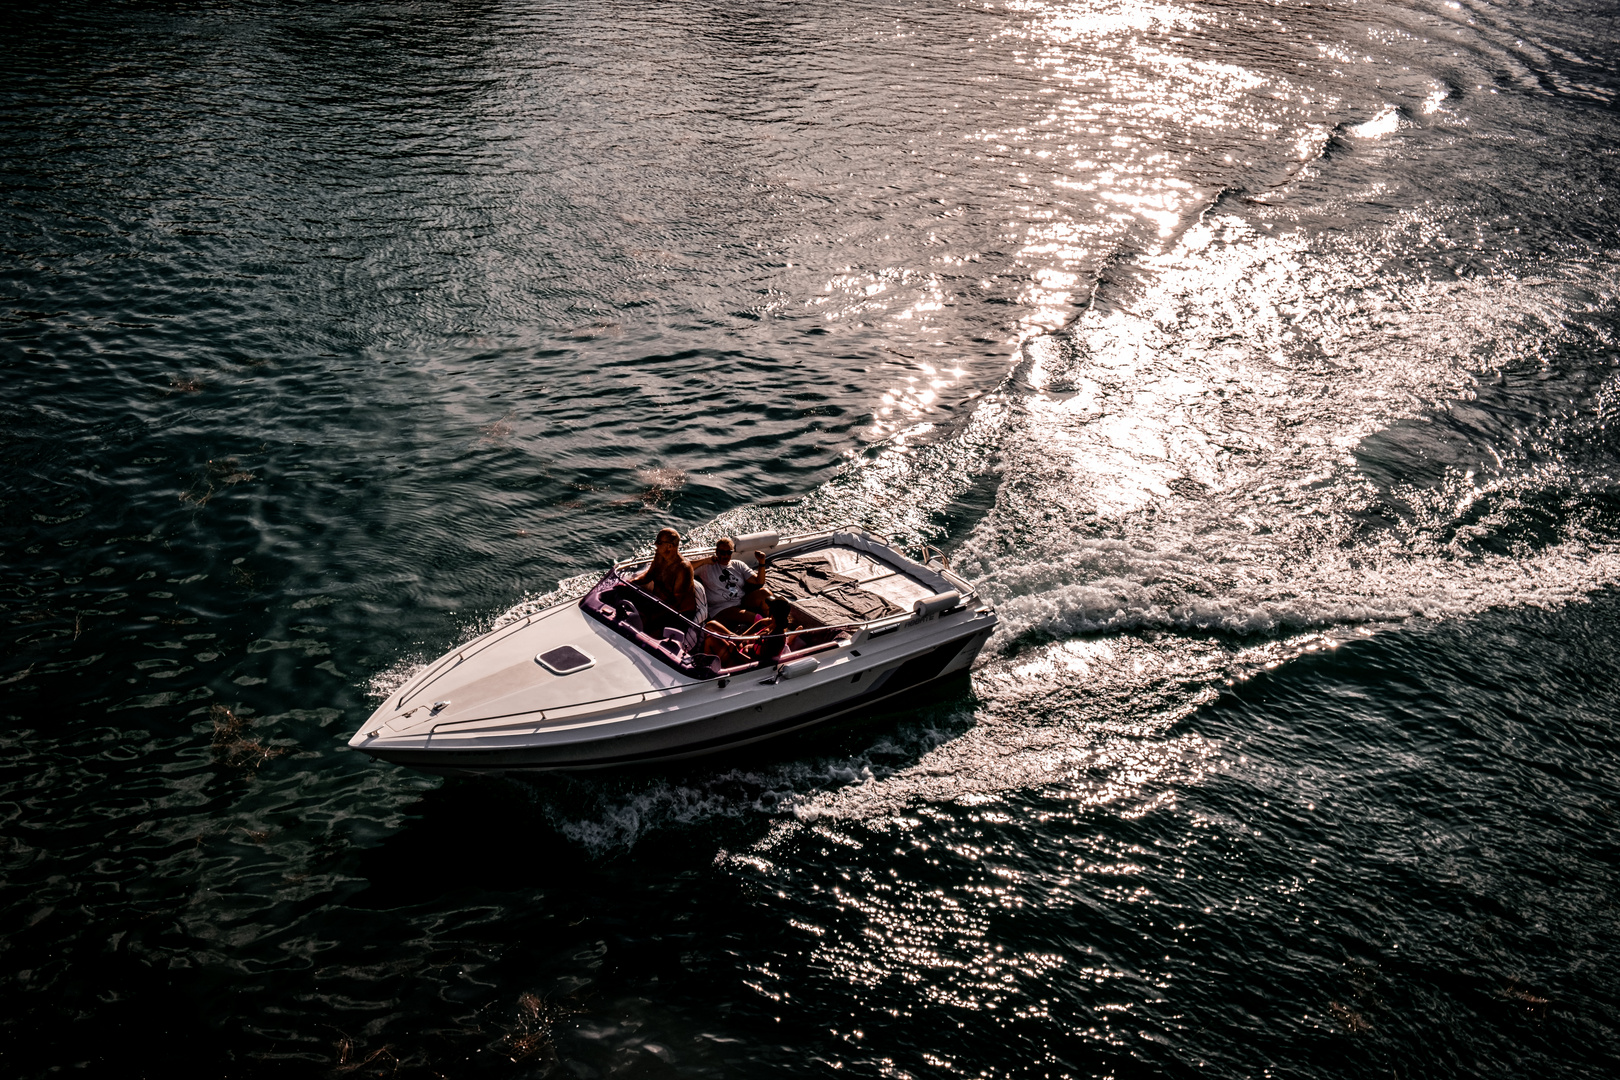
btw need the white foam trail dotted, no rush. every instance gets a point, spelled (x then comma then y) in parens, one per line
(1190, 467)
(1385, 123)
(1186, 465)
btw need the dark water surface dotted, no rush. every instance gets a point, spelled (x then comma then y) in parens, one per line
(1260, 361)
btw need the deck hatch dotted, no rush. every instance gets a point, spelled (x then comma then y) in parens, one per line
(564, 660)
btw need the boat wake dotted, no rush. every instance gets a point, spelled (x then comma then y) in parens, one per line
(1188, 495)
(1248, 453)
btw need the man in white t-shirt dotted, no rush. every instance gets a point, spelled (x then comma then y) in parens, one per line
(729, 583)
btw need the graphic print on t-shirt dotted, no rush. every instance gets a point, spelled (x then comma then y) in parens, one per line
(725, 583)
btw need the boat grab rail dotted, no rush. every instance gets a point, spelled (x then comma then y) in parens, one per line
(642, 695)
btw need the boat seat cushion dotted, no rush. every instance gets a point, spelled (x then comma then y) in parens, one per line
(824, 595)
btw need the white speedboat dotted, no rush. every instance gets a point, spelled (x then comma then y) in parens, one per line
(616, 678)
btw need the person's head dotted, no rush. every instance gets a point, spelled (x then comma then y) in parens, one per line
(780, 613)
(667, 546)
(724, 549)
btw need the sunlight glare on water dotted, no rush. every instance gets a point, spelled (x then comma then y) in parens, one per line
(1260, 364)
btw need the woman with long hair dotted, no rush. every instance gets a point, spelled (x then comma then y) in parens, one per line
(669, 576)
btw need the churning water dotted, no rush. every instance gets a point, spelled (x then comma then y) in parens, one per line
(1258, 360)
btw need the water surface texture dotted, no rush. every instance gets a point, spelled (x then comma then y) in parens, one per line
(1258, 360)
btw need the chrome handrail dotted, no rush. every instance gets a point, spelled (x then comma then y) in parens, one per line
(640, 694)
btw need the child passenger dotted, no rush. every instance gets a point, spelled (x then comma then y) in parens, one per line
(777, 631)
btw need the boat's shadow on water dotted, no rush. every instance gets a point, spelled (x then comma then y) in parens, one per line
(532, 831)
